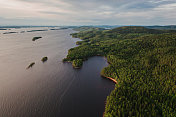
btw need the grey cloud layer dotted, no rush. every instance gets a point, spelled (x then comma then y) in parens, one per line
(129, 12)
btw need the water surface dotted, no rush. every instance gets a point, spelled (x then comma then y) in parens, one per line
(51, 89)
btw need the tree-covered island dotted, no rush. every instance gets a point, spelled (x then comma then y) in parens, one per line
(141, 60)
(44, 59)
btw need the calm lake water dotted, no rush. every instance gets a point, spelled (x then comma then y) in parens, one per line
(53, 88)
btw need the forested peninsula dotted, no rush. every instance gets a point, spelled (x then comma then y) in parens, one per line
(141, 60)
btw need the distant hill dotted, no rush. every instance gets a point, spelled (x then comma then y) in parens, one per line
(169, 27)
(138, 29)
(87, 28)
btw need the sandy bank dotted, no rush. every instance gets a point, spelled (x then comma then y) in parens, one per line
(112, 79)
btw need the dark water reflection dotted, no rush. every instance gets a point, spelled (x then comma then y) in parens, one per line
(52, 89)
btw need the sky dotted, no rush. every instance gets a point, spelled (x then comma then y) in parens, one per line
(87, 12)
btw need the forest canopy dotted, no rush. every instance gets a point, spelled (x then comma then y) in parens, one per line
(142, 60)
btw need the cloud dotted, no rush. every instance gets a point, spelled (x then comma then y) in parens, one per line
(88, 12)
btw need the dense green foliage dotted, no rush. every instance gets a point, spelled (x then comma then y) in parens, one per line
(142, 60)
(44, 59)
(77, 63)
(35, 38)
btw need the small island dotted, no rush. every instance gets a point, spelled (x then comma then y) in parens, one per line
(22, 32)
(44, 59)
(36, 38)
(63, 28)
(37, 30)
(54, 29)
(77, 63)
(9, 32)
(3, 29)
(31, 65)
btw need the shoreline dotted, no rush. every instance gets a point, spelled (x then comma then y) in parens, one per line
(112, 79)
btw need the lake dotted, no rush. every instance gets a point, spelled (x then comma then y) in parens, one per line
(53, 88)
